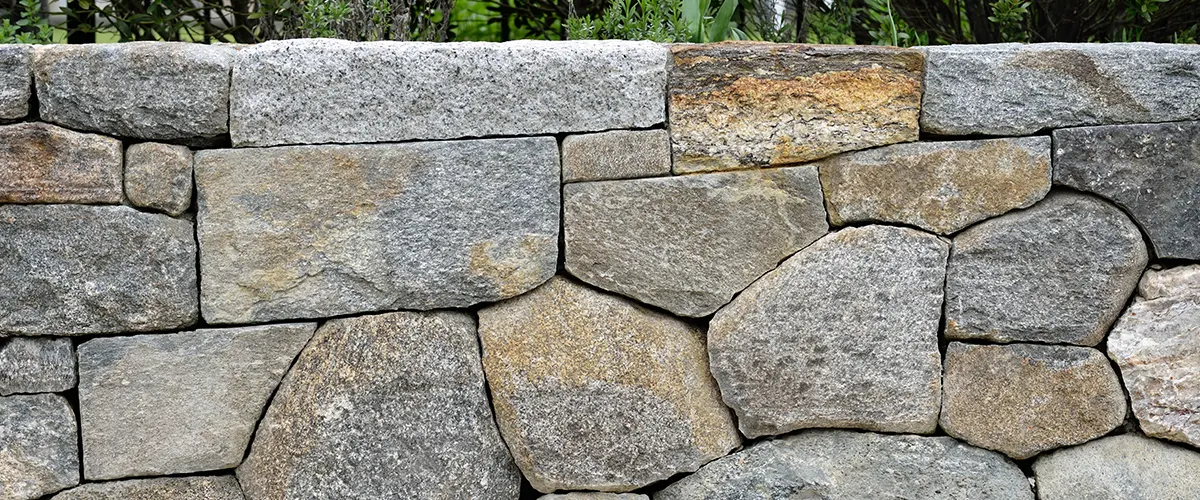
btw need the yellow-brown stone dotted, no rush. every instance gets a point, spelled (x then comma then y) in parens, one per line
(41, 163)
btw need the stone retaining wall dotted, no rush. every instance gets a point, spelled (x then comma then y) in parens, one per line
(323, 269)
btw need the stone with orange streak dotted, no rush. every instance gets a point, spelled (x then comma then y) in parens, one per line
(42, 163)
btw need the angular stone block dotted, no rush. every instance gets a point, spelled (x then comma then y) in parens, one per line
(317, 231)
(32, 365)
(617, 154)
(16, 81)
(159, 176)
(79, 270)
(333, 91)
(41, 163)
(842, 334)
(39, 447)
(941, 187)
(1125, 466)
(163, 488)
(1157, 282)
(688, 244)
(579, 377)
(743, 105)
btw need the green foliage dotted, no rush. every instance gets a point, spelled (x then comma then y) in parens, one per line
(30, 26)
(1010, 16)
(660, 21)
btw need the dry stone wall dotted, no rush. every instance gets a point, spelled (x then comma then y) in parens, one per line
(318, 269)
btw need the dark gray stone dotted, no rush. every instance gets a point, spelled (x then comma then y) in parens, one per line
(163, 488)
(159, 176)
(41, 163)
(31, 365)
(39, 447)
(16, 81)
(1125, 467)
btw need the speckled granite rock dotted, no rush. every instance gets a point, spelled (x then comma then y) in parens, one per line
(163, 488)
(317, 231)
(941, 187)
(384, 406)
(16, 81)
(39, 450)
(1058, 272)
(1158, 283)
(594, 496)
(41, 163)
(159, 176)
(687, 244)
(743, 105)
(842, 334)
(1023, 399)
(1127, 466)
(593, 392)
(617, 154)
(31, 365)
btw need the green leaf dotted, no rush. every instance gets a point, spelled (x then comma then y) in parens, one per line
(720, 25)
(691, 17)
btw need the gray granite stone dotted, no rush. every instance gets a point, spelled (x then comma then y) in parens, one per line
(1128, 467)
(163, 488)
(31, 365)
(42, 163)
(159, 176)
(16, 81)
(617, 154)
(579, 495)
(39, 447)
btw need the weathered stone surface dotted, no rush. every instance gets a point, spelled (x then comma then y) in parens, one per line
(739, 105)
(1023, 399)
(842, 334)
(688, 244)
(154, 405)
(855, 465)
(1060, 272)
(77, 270)
(1149, 170)
(594, 496)
(579, 377)
(16, 81)
(316, 231)
(159, 176)
(618, 154)
(163, 488)
(384, 406)
(1018, 89)
(41, 163)
(146, 90)
(937, 186)
(39, 451)
(1119, 467)
(1156, 345)
(31, 365)
(322, 91)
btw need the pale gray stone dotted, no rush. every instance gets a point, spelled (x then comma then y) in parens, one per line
(153, 405)
(384, 406)
(77, 270)
(39, 450)
(1124, 467)
(41, 163)
(1149, 170)
(847, 465)
(163, 488)
(842, 334)
(1059, 272)
(1158, 282)
(1018, 89)
(687, 244)
(618, 154)
(333, 91)
(147, 90)
(16, 81)
(317, 231)
(582, 495)
(31, 365)
(159, 176)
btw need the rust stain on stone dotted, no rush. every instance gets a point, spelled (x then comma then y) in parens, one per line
(41, 163)
(1081, 68)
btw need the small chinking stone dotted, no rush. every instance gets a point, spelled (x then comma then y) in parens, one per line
(383, 406)
(162, 488)
(839, 464)
(16, 81)
(1157, 283)
(1127, 466)
(42, 163)
(842, 334)
(159, 176)
(617, 154)
(579, 377)
(31, 365)
(39, 450)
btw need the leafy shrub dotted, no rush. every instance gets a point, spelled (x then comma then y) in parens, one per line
(30, 26)
(661, 21)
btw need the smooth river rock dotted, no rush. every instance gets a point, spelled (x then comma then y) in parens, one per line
(687, 244)
(848, 465)
(384, 406)
(842, 334)
(16, 81)
(77, 270)
(737, 105)
(1149, 170)
(159, 177)
(616, 154)
(1018, 89)
(1127, 466)
(163, 488)
(30, 365)
(42, 163)
(333, 91)
(39, 447)
(1059, 272)
(1023, 399)
(941, 187)
(318, 231)
(593, 392)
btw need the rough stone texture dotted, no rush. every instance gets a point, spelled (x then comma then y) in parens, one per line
(842, 334)
(1156, 345)
(1023, 399)
(322, 91)
(1059, 272)
(619, 154)
(145, 90)
(739, 105)
(39, 453)
(317, 231)
(853, 465)
(580, 377)
(16, 81)
(159, 176)
(1016, 89)
(30, 365)
(937, 186)
(1149, 170)
(164, 488)
(594, 496)
(41, 163)
(77, 270)
(384, 406)
(688, 244)
(1119, 467)
(154, 405)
